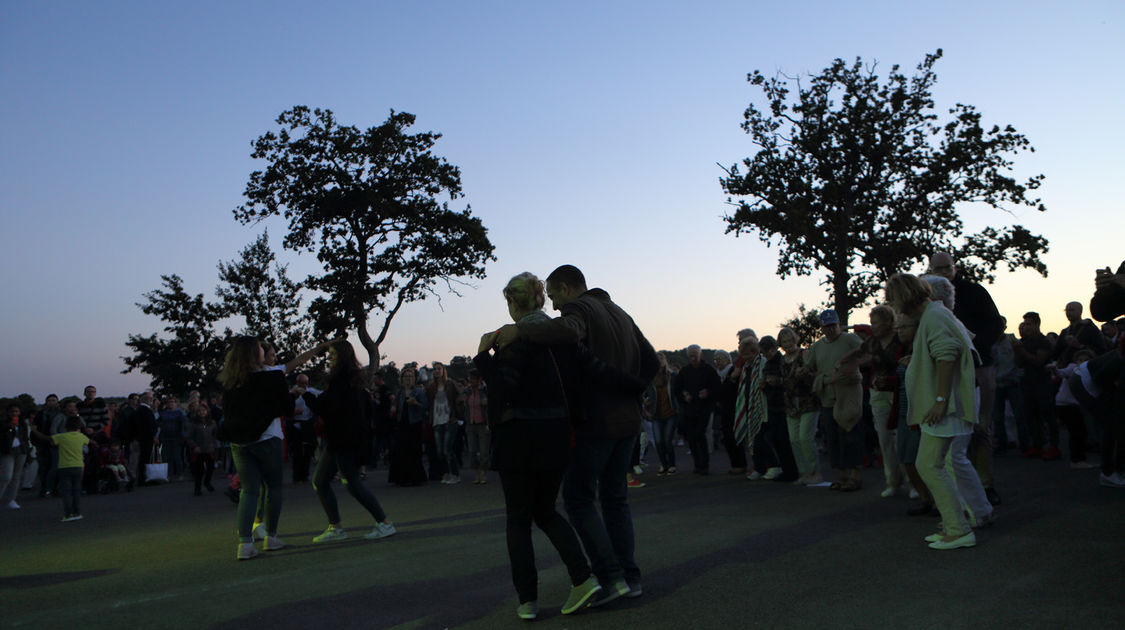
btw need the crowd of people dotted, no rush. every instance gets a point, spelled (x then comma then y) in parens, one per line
(930, 390)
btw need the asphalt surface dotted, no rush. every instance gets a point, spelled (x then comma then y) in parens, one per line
(717, 552)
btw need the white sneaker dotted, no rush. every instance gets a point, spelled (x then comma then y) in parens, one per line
(331, 534)
(454, 479)
(1111, 481)
(772, 473)
(258, 531)
(914, 494)
(754, 476)
(246, 551)
(273, 543)
(638, 470)
(381, 530)
(12, 505)
(888, 493)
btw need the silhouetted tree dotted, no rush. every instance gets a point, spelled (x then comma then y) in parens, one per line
(857, 177)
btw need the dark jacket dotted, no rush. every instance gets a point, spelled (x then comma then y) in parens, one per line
(1108, 302)
(346, 409)
(250, 408)
(8, 434)
(975, 308)
(535, 393)
(594, 321)
(693, 379)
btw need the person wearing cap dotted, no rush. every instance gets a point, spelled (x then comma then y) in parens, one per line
(839, 388)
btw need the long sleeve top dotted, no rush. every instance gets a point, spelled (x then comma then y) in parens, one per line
(941, 337)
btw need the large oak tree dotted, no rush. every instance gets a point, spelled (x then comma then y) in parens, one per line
(857, 177)
(368, 202)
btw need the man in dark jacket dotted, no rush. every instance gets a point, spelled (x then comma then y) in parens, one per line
(610, 424)
(976, 310)
(1079, 333)
(144, 433)
(696, 388)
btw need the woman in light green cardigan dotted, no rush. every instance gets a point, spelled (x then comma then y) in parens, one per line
(940, 381)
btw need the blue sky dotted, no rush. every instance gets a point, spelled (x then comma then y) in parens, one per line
(586, 132)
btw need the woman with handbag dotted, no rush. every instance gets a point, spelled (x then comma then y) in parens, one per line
(345, 407)
(254, 399)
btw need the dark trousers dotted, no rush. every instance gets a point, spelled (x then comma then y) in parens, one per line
(348, 465)
(70, 487)
(301, 440)
(48, 469)
(144, 451)
(695, 430)
(845, 448)
(530, 497)
(1039, 409)
(1075, 425)
(773, 442)
(735, 451)
(1113, 426)
(202, 467)
(597, 473)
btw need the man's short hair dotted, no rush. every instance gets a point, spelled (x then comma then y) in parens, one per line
(73, 422)
(50, 396)
(1033, 316)
(767, 343)
(568, 275)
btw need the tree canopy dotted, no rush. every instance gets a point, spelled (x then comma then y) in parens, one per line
(258, 288)
(189, 355)
(857, 177)
(367, 202)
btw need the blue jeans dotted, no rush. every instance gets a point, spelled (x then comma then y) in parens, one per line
(258, 463)
(348, 465)
(664, 433)
(597, 472)
(70, 487)
(445, 436)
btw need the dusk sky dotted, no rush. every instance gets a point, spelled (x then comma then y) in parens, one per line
(587, 133)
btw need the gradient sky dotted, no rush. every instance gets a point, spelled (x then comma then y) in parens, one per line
(587, 133)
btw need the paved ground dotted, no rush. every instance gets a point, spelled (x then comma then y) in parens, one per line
(717, 552)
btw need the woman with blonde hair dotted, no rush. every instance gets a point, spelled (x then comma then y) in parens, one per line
(530, 420)
(940, 382)
(253, 401)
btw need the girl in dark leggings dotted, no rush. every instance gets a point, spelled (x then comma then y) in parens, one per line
(345, 407)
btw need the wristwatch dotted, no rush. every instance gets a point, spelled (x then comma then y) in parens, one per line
(939, 399)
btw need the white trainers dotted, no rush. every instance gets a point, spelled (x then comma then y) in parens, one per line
(331, 534)
(772, 473)
(273, 543)
(258, 531)
(888, 493)
(454, 479)
(246, 551)
(754, 476)
(12, 505)
(968, 540)
(381, 530)
(1111, 481)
